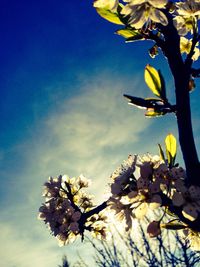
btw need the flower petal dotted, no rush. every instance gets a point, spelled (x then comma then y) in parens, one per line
(141, 210)
(178, 199)
(158, 3)
(158, 16)
(190, 212)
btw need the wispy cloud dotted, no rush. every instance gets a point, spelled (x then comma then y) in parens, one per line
(90, 133)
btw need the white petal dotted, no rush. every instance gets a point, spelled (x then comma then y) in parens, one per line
(190, 212)
(141, 211)
(196, 54)
(158, 16)
(158, 3)
(138, 2)
(137, 20)
(178, 199)
(126, 10)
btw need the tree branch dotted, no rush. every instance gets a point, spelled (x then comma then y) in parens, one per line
(96, 210)
(181, 73)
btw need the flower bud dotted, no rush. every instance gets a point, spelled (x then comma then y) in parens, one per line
(153, 229)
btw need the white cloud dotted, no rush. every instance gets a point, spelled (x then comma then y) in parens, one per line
(22, 249)
(96, 121)
(90, 133)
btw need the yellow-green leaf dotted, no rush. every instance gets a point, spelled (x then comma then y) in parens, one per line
(127, 33)
(153, 113)
(170, 143)
(110, 16)
(171, 146)
(153, 81)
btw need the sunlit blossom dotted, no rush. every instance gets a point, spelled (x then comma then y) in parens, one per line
(144, 201)
(82, 181)
(123, 212)
(183, 25)
(98, 225)
(189, 8)
(189, 200)
(60, 219)
(126, 169)
(185, 47)
(65, 203)
(122, 175)
(145, 11)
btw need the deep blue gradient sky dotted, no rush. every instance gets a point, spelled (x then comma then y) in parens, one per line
(41, 44)
(62, 76)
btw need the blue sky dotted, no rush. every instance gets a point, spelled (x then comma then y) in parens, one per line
(63, 74)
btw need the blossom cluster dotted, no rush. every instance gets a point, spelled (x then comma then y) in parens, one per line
(155, 184)
(66, 207)
(187, 14)
(149, 15)
(139, 185)
(141, 12)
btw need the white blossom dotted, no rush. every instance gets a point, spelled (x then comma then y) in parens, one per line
(82, 181)
(122, 175)
(185, 47)
(188, 8)
(64, 206)
(183, 25)
(123, 212)
(189, 200)
(145, 11)
(98, 226)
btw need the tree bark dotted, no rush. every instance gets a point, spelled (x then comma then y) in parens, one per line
(181, 73)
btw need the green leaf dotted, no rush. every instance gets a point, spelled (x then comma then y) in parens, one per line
(153, 80)
(127, 33)
(154, 113)
(161, 152)
(110, 16)
(170, 143)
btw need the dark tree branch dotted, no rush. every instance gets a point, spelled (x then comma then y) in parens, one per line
(181, 73)
(96, 210)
